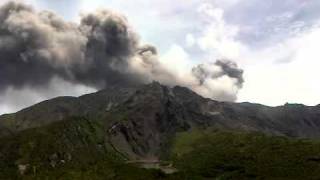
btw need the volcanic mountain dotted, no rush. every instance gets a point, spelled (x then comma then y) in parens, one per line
(150, 123)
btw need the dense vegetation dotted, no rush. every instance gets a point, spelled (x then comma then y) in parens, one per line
(236, 155)
(77, 148)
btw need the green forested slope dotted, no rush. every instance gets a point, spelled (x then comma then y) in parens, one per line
(77, 148)
(240, 155)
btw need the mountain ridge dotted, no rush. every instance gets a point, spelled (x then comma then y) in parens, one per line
(246, 116)
(104, 134)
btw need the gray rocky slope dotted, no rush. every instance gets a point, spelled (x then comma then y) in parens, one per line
(141, 119)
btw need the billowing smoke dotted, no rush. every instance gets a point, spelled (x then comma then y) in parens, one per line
(35, 47)
(220, 80)
(38, 47)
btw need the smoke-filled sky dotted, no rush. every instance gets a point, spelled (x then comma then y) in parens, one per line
(229, 50)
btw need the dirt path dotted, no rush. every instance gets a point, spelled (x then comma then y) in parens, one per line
(164, 166)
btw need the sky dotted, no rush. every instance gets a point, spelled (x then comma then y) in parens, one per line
(275, 43)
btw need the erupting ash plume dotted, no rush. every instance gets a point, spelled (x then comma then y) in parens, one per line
(220, 80)
(36, 47)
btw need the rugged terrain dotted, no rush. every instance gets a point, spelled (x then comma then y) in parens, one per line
(102, 134)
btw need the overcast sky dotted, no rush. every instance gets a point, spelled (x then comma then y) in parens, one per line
(275, 42)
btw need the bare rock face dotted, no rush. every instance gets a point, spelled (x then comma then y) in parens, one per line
(140, 120)
(154, 113)
(152, 116)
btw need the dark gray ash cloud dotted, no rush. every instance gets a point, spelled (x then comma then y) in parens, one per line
(220, 80)
(102, 50)
(35, 47)
(225, 68)
(232, 70)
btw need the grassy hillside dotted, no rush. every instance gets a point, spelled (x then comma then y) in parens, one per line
(77, 148)
(72, 149)
(236, 155)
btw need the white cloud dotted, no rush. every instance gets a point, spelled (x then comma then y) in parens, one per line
(190, 40)
(218, 89)
(218, 38)
(15, 99)
(177, 60)
(275, 73)
(288, 72)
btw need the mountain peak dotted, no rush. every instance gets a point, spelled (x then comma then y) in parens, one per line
(168, 108)
(140, 123)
